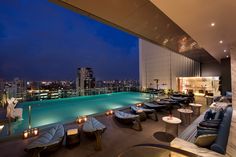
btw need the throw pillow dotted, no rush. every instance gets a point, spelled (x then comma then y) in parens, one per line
(205, 140)
(216, 121)
(219, 114)
(205, 128)
(205, 132)
(209, 115)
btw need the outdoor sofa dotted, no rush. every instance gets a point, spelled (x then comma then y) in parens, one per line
(222, 130)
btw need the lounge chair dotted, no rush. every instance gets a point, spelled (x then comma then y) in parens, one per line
(160, 105)
(180, 99)
(154, 106)
(127, 118)
(93, 128)
(189, 96)
(51, 140)
(169, 102)
(147, 111)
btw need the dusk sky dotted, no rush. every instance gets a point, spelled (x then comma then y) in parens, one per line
(40, 40)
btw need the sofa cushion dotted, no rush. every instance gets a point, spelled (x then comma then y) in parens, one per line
(190, 132)
(216, 121)
(205, 128)
(205, 140)
(224, 99)
(209, 115)
(219, 114)
(205, 132)
(216, 106)
(222, 139)
(209, 124)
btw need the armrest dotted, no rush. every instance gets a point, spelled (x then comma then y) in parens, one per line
(190, 147)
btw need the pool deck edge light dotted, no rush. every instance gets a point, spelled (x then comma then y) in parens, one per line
(1, 127)
(81, 119)
(30, 133)
(109, 112)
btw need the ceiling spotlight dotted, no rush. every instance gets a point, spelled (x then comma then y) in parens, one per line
(221, 41)
(227, 56)
(212, 24)
(225, 50)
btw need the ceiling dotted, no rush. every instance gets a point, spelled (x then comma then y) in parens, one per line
(195, 18)
(143, 19)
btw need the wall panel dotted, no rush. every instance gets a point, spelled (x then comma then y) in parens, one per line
(160, 63)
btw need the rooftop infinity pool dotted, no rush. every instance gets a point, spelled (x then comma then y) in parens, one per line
(67, 109)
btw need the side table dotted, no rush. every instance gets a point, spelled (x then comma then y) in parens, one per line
(72, 137)
(172, 124)
(196, 108)
(185, 115)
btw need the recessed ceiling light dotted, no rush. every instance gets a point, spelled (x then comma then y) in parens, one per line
(212, 24)
(225, 50)
(221, 41)
(227, 56)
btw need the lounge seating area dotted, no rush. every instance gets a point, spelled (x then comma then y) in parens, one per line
(211, 129)
(117, 78)
(213, 124)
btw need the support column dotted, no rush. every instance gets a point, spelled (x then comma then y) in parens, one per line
(233, 74)
(232, 143)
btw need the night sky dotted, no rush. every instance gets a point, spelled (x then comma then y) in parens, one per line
(40, 40)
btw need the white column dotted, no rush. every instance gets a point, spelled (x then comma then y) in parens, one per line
(232, 143)
(233, 74)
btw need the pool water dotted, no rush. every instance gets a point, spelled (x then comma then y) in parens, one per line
(67, 109)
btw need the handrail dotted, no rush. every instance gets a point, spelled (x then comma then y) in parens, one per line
(173, 149)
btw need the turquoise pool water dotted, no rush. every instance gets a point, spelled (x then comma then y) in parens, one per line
(64, 110)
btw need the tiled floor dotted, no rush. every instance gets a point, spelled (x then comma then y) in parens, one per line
(116, 139)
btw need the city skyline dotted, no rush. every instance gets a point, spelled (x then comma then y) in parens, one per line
(33, 50)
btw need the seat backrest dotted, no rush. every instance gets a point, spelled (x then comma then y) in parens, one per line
(222, 139)
(51, 136)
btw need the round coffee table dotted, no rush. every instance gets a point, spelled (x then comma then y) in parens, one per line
(185, 115)
(196, 108)
(172, 124)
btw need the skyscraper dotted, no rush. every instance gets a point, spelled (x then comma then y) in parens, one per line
(85, 79)
(2, 86)
(21, 87)
(16, 88)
